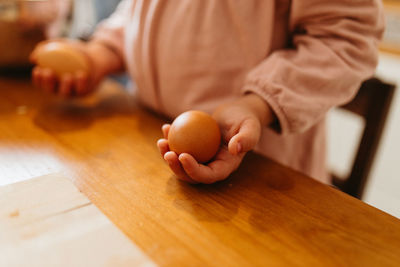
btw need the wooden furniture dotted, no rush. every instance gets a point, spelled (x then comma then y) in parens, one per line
(46, 221)
(16, 44)
(372, 103)
(263, 215)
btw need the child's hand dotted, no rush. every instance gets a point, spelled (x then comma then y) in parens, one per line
(241, 123)
(79, 83)
(69, 84)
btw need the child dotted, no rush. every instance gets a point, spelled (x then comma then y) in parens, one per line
(268, 71)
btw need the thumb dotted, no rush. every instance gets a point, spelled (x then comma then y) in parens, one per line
(247, 137)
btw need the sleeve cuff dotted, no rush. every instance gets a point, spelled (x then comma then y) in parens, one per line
(109, 39)
(282, 127)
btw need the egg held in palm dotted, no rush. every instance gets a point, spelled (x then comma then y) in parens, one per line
(61, 59)
(195, 133)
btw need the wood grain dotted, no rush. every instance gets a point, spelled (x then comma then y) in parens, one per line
(46, 221)
(264, 214)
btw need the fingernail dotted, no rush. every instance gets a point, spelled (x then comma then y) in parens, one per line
(182, 158)
(239, 148)
(166, 157)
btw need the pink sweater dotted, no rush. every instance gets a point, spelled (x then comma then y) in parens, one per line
(303, 57)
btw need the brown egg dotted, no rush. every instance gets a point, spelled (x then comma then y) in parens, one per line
(196, 133)
(61, 58)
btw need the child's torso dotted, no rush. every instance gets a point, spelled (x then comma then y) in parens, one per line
(195, 54)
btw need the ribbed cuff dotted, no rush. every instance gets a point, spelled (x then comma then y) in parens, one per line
(109, 40)
(283, 123)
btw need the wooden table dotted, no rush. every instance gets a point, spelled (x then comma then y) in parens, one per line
(264, 214)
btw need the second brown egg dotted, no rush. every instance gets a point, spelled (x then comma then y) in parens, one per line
(196, 133)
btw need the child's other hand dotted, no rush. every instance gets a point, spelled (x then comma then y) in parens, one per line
(186, 168)
(241, 123)
(70, 84)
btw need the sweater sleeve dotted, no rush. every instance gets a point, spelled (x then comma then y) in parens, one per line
(335, 48)
(111, 31)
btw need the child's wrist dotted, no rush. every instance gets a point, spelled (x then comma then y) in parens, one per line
(105, 64)
(260, 108)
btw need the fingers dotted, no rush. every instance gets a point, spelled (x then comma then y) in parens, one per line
(77, 84)
(224, 164)
(246, 138)
(81, 83)
(165, 129)
(197, 172)
(186, 168)
(163, 146)
(48, 80)
(67, 85)
(173, 162)
(44, 78)
(36, 77)
(180, 164)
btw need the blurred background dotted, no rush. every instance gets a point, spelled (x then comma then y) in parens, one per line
(24, 23)
(345, 129)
